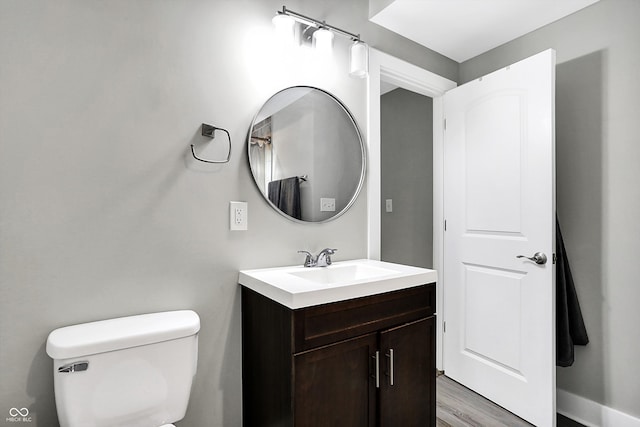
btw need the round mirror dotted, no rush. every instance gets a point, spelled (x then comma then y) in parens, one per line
(306, 154)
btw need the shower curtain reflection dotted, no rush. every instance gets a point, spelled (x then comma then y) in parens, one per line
(261, 154)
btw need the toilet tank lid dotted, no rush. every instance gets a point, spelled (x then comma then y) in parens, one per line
(124, 332)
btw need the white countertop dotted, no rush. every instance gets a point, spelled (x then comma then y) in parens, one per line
(298, 287)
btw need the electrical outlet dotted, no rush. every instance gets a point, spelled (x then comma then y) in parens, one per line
(238, 215)
(327, 204)
(389, 205)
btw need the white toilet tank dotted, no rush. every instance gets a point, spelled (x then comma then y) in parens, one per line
(132, 371)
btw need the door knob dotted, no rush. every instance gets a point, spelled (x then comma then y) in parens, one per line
(538, 258)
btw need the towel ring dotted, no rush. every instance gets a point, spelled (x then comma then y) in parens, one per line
(209, 131)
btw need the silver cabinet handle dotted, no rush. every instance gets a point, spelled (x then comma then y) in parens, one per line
(538, 258)
(390, 356)
(377, 374)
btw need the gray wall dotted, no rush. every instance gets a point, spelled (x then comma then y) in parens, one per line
(598, 184)
(406, 126)
(102, 214)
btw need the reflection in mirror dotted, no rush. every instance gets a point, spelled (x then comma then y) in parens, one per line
(306, 154)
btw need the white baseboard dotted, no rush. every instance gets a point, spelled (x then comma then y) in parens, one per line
(590, 413)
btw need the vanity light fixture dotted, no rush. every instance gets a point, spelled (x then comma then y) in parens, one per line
(285, 20)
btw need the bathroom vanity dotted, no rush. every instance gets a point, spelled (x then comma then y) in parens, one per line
(367, 360)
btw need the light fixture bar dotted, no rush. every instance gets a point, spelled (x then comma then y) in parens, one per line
(317, 23)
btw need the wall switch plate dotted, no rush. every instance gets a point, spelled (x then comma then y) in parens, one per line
(389, 205)
(327, 204)
(238, 215)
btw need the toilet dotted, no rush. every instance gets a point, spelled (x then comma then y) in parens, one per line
(132, 371)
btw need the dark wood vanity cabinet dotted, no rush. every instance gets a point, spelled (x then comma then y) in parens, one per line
(332, 385)
(316, 366)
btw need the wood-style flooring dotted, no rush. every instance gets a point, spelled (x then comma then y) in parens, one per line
(457, 406)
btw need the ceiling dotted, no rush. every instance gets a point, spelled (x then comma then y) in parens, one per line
(462, 29)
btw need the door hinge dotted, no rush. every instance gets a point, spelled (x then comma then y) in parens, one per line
(444, 327)
(555, 258)
(445, 124)
(445, 225)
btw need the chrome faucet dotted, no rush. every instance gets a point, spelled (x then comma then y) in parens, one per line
(322, 260)
(324, 257)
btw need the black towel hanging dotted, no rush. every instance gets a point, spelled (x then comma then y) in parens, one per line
(285, 195)
(570, 328)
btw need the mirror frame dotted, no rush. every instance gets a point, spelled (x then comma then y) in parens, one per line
(363, 170)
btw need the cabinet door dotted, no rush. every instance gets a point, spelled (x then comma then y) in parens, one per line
(333, 385)
(407, 387)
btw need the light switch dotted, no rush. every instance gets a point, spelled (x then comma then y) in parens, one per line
(389, 205)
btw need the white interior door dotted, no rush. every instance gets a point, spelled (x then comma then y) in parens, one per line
(499, 186)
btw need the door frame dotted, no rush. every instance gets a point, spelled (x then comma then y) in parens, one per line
(384, 67)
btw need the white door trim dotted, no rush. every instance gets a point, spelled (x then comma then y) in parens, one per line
(384, 67)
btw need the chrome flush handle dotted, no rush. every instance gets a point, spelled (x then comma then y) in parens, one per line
(74, 367)
(539, 258)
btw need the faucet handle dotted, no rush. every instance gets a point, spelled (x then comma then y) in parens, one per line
(309, 261)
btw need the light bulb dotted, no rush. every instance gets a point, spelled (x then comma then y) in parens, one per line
(359, 59)
(323, 41)
(285, 26)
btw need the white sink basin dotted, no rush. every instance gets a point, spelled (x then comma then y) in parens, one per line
(340, 273)
(298, 287)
